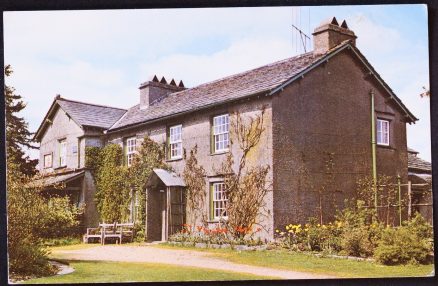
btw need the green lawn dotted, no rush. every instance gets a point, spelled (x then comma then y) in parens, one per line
(98, 271)
(308, 263)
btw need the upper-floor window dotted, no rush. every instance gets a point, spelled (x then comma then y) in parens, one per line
(62, 153)
(175, 142)
(130, 150)
(382, 132)
(48, 160)
(221, 136)
(219, 201)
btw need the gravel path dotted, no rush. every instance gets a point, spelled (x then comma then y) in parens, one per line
(150, 254)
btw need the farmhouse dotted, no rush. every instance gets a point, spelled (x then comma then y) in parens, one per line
(329, 120)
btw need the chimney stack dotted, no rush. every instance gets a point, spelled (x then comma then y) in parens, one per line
(329, 34)
(155, 90)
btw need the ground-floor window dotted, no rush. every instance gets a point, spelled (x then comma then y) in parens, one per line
(218, 201)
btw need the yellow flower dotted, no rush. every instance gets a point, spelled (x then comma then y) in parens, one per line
(298, 230)
(287, 227)
(318, 225)
(324, 226)
(306, 229)
(277, 231)
(291, 231)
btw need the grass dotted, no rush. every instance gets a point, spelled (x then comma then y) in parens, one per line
(282, 259)
(98, 271)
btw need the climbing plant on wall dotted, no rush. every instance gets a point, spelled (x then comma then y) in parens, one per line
(112, 190)
(248, 186)
(149, 155)
(194, 177)
(116, 183)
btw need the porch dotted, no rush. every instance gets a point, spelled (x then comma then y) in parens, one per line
(166, 205)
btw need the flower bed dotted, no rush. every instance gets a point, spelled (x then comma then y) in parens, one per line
(218, 237)
(239, 247)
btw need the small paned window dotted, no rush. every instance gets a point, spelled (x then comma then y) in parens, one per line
(221, 137)
(382, 132)
(130, 150)
(62, 153)
(219, 201)
(48, 161)
(175, 141)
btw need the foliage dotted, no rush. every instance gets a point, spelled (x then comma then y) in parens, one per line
(63, 241)
(112, 195)
(420, 227)
(116, 183)
(246, 188)
(218, 235)
(194, 175)
(387, 196)
(360, 233)
(26, 214)
(401, 246)
(150, 155)
(61, 218)
(17, 133)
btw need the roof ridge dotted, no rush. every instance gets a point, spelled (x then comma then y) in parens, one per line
(87, 103)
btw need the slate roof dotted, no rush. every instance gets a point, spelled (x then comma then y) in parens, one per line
(417, 164)
(169, 179)
(56, 179)
(265, 80)
(262, 79)
(86, 114)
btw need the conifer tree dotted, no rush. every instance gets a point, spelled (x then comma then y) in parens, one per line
(18, 135)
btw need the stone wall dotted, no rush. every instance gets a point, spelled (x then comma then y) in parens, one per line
(323, 118)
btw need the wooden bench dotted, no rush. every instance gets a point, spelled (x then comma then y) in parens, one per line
(119, 231)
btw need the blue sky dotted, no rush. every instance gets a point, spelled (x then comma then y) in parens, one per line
(103, 56)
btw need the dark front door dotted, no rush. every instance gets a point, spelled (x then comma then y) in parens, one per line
(177, 210)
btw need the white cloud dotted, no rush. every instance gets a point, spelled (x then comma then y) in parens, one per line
(240, 56)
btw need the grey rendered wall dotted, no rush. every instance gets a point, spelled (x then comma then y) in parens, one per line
(62, 127)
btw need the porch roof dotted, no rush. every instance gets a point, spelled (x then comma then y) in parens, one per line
(56, 179)
(169, 179)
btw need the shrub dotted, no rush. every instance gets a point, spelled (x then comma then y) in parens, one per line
(401, 246)
(26, 213)
(61, 219)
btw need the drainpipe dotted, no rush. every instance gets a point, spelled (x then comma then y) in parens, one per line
(373, 149)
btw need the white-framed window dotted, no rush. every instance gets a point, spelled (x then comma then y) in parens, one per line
(221, 133)
(130, 150)
(219, 201)
(62, 153)
(382, 132)
(48, 160)
(175, 142)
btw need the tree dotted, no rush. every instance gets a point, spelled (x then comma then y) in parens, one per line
(17, 133)
(246, 189)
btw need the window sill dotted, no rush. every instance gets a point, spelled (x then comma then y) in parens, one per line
(220, 153)
(174, 159)
(217, 220)
(385, 146)
(60, 167)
